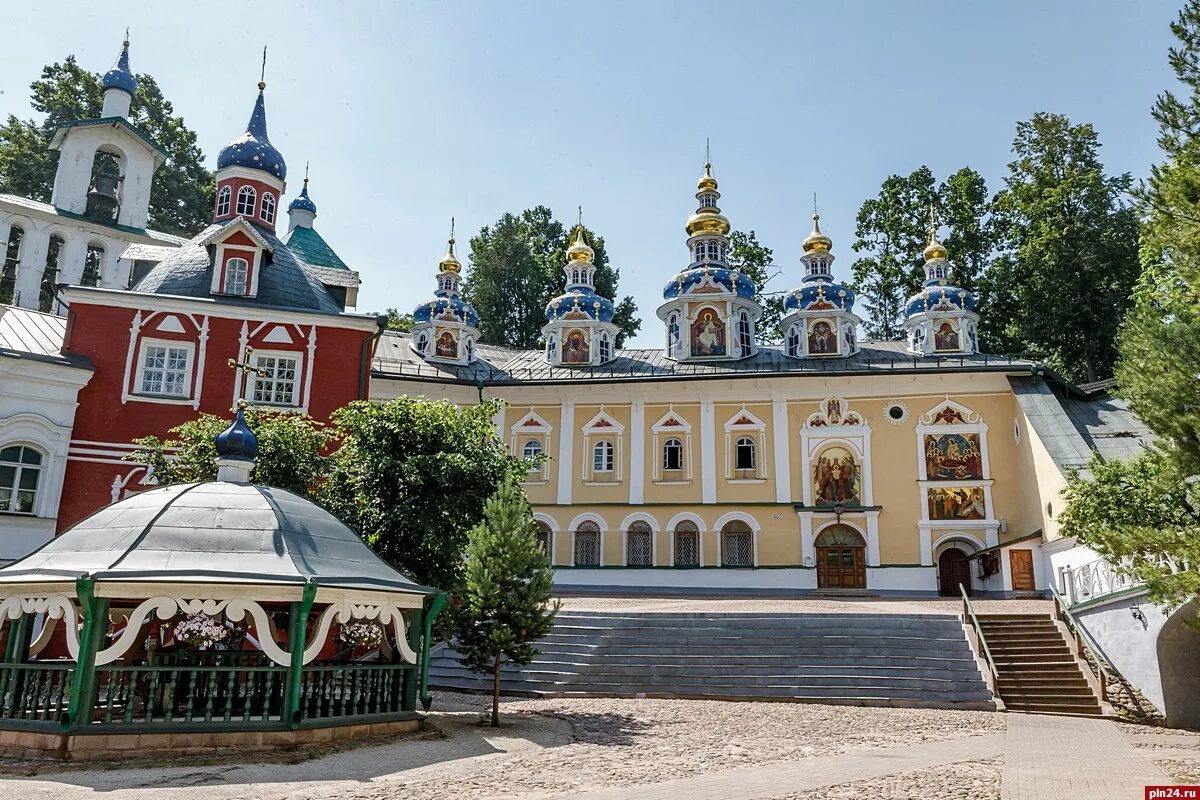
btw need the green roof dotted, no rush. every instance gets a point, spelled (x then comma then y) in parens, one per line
(310, 248)
(141, 134)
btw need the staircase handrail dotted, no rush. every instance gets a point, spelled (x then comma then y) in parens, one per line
(969, 613)
(1098, 663)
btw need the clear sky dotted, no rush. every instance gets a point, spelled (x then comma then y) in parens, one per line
(415, 112)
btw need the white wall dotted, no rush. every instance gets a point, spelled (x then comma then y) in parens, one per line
(879, 579)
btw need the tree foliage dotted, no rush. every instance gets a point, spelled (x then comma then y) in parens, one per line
(504, 606)
(757, 261)
(517, 268)
(181, 198)
(397, 321)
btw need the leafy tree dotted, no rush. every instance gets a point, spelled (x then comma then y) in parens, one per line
(756, 260)
(504, 606)
(412, 475)
(1074, 237)
(964, 208)
(181, 198)
(290, 448)
(399, 322)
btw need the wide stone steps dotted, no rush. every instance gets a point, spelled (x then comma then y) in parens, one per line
(1037, 671)
(837, 658)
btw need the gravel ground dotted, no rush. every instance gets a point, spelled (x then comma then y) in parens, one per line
(783, 605)
(977, 780)
(1185, 771)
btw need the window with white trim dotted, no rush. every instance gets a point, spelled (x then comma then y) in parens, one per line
(737, 544)
(531, 450)
(545, 537)
(639, 546)
(687, 544)
(605, 348)
(279, 386)
(224, 198)
(20, 471)
(602, 457)
(744, 454)
(268, 207)
(672, 455)
(245, 201)
(672, 333)
(237, 273)
(793, 341)
(165, 369)
(587, 544)
(745, 334)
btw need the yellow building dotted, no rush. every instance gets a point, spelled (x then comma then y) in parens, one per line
(718, 463)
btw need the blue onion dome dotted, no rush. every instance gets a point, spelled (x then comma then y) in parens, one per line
(303, 202)
(719, 278)
(253, 149)
(819, 295)
(450, 309)
(237, 441)
(580, 303)
(121, 76)
(940, 297)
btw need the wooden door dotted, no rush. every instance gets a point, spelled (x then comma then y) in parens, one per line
(953, 569)
(1021, 564)
(841, 567)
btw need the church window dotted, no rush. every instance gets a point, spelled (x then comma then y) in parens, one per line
(744, 456)
(164, 369)
(549, 346)
(20, 469)
(49, 288)
(278, 386)
(8, 269)
(745, 336)
(605, 348)
(268, 207)
(793, 341)
(602, 457)
(545, 537)
(470, 345)
(587, 544)
(245, 201)
(224, 198)
(699, 252)
(531, 450)
(672, 455)
(91, 265)
(672, 332)
(708, 201)
(687, 544)
(639, 545)
(714, 251)
(421, 342)
(237, 270)
(737, 545)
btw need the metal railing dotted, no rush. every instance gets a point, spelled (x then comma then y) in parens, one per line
(1084, 644)
(969, 613)
(1100, 578)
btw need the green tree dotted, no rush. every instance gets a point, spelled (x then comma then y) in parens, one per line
(181, 198)
(504, 606)
(290, 448)
(757, 261)
(399, 322)
(411, 476)
(1073, 235)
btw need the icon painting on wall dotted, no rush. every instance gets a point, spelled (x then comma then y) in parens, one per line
(956, 503)
(708, 334)
(835, 477)
(575, 349)
(822, 340)
(946, 337)
(447, 345)
(953, 457)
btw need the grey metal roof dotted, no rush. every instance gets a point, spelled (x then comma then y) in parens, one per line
(214, 532)
(47, 208)
(504, 366)
(33, 335)
(282, 283)
(1108, 425)
(1050, 421)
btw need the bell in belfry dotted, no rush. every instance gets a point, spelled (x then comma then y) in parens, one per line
(102, 198)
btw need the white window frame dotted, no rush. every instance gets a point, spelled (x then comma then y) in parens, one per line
(674, 443)
(604, 454)
(532, 425)
(745, 330)
(246, 192)
(267, 209)
(297, 379)
(755, 430)
(603, 427)
(224, 200)
(671, 426)
(534, 444)
(605, 348)
(19, 468)
(750, 445)
(140, 375)
(226, 274)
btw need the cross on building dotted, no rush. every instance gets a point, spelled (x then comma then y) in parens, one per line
(247, 368)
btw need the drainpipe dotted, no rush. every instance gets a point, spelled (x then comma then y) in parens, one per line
(296, 642)
(364, 369)
(439, 602)
(83, 686)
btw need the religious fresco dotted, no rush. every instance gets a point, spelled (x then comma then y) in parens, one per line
(953, 457)
(946, 337)
(447, 345)
(956, 504)
(708, 334)
(575, 349)
(836, 477)
(822, 339)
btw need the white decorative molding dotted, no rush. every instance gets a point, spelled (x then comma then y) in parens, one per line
(58, 606)
(343, 611)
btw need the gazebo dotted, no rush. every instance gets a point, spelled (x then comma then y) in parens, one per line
(206, 616)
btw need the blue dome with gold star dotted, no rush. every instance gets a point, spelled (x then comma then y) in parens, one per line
(253, 150)
(820, 296)
(302, 201)
(940, 296)
(121, 76)
(716, 278)
(580, 302)
(451, 309)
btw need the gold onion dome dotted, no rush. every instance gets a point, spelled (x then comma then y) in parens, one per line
(707, 181)
(817, 240)
(579, 251)
(450, 262)
(934, 249)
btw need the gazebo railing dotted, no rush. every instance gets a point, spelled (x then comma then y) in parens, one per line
(35, 691)
(188, 694)
(353, 690)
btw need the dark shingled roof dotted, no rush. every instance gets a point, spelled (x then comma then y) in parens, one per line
(1108, 425)
(505, 366)
(1049, 419)
(312, 249)
(282, 283)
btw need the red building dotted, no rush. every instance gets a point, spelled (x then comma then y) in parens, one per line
(160, 350)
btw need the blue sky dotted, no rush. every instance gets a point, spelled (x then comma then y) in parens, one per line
(415, 112)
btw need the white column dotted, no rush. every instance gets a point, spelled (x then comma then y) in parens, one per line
(114, 274)
(5, 231)
(637, 452)
(70, 260)
(873, 539)
(782, 442)
(566, 450)
(808, 554)
(33, 264)
(926, 546)
(708, 452)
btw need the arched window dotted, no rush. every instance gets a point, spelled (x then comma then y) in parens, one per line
(672, 455)
(745, 335)
(531, 450)
(714, 251)
(744, 456)
(549, 346)
(470, 345)
(737, 544)
(245, 201)
(639, 545)
(545, 537)
(8, 269)
(687, 544)
(587, 544)
(699, 252)
(421, 342)
(708, 201)
(268, 207)
(793, 341)
(605, 348)
(91, 265)
(20, 470)
(49, 288)
(236, 272)
(602, 457)
(224, 197)
(672, 332)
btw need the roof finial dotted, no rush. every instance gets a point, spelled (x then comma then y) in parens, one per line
(579, 222)
(452, 230)
(306, 174)
(262, 78)
(125, 43)
(934, 249)
(707, 152)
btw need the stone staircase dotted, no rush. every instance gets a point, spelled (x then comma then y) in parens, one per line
(850, 659)
(1036, 668)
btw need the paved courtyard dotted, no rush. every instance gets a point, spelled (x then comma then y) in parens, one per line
(598, 749)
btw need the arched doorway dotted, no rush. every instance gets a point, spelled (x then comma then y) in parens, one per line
(841, 558)
(953, 569)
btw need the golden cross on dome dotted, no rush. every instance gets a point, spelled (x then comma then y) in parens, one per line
(262, 78)
(932, 222)
(247, 367)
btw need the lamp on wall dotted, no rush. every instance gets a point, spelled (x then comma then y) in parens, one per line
(1136, 612)
(838, 510)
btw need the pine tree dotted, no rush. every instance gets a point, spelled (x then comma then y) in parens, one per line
(505, 604)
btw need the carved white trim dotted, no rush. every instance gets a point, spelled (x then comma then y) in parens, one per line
(969, 417)
(57, 606)
(343, 611)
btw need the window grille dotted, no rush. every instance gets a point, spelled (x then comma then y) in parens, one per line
(638, 545)
(737, 545)
(544, 537)
(687, 544)
(587, 545)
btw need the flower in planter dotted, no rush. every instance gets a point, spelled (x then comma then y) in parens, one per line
(201, 630)
(361, 634)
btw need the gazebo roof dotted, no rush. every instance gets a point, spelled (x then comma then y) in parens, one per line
(214, 532)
